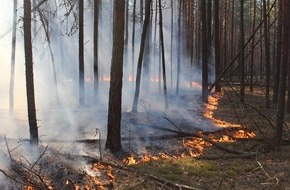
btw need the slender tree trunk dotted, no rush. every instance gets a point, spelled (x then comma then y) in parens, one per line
(133, 39)
(171, 46)
(278, 54)
(11, 96)
(113, 142)
(155, 40)
(127, 23)
(209, 19)
(142, 47)
(232, 33)
(261, 44)
(33, 129)
(96, 38)
(126, 53)
(204, 53)
(163, 56)
(242, 56)
(267, 54)
(225, 45)
(191, 41)
(146, 57)
(253, 44)
(141, 9)
(283, 74)
(178, 49)
(217, 43)
(81, 55)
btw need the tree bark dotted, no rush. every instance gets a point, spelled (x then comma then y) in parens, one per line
(33, 129)
(253, 43)
(284, 65)
(178, 49)
(267, 54)
(278, 55)
(81, 55)
(204, 53)
(163, 56)
(171, 45)
(113, 142)
(217, 43)
(142, 47)
(242, 56)
(133, 38)
(96, 37)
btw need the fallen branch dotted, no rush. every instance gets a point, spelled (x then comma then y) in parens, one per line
(269, 177)
(165, 117)
(205, 138)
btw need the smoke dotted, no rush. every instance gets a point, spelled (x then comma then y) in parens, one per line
(64, 119)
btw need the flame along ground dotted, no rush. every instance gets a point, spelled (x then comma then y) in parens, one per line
(195, 146)
(97, 176)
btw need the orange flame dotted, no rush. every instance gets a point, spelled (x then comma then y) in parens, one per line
(195, 146)
(193, 85)
(211, 107)
(106, 79)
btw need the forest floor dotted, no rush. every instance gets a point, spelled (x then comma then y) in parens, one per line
(176, 155)
(212, 168)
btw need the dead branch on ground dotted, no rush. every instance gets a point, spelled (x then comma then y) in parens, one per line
(205, 138)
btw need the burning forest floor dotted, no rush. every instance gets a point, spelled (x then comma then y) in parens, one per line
(233, 151)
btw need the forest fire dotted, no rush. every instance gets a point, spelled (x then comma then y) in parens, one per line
(194, 146)
(211, 106)
(106, 79)
(193, 85)
(95, 176)
(131, 79)
(145, 158)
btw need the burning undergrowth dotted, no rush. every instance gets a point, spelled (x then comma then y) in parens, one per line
(149, 136)
(54, 170)
(188, 140)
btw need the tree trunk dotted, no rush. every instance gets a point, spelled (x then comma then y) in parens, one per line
(11, 95)
(278, 55)
(113, 142)
(209, 19)
(163, 56)
(142, 47)
(126, 52)
(81, 55)
(141, 9)
(242, 56)
(133, 38)
(178, 49)
(217, 43)
(261, 44)
(171, 45)
(96, 37)
(225, 45)
(204, 53)
(267, 54)
(252, 46)
(33, 129)
(284, 64)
